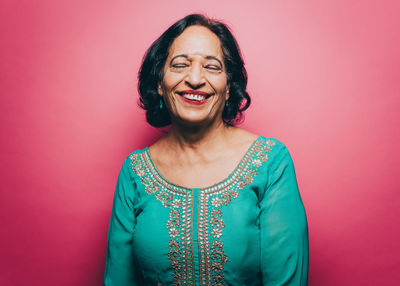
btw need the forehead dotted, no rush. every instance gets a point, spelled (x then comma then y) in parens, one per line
(197, 40)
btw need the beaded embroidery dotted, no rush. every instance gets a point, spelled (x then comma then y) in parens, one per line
(210, 223)
(179, 224)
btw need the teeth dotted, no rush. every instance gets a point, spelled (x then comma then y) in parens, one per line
(193, 96)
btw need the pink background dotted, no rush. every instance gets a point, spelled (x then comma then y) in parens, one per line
(324, 77)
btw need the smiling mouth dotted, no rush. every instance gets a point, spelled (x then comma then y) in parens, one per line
(195, 95)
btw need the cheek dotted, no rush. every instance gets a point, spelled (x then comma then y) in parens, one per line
(172, 79)
(220, 84)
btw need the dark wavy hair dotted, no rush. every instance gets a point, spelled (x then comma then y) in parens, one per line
(151, 71)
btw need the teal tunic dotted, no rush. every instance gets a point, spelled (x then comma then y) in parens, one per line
(249, 229)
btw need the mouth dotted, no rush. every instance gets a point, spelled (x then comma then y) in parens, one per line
(194, 96)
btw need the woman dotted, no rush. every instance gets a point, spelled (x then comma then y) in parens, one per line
(209, 203)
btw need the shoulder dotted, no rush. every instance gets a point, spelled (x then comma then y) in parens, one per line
(133, 157)
(276, 145)
(133, 165)
(271, 143)
(276, 151)
(136, 153)
(265, 148)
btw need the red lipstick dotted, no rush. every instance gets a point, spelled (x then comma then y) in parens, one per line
(197, 92)
(195, 102)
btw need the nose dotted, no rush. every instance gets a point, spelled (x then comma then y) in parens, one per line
(195, 77)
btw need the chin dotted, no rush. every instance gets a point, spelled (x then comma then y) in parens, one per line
(197, 117)
(194, 121)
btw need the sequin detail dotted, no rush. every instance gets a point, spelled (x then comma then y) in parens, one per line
(212, 201)
(179, 225)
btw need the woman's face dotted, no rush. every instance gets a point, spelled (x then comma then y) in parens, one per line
(195, 85)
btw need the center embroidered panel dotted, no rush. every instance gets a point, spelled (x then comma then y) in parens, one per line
(212, 257)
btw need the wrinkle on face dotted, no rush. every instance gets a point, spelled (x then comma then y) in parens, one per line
(195, 62)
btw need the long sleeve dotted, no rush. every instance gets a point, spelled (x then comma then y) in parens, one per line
(283, 225)
(120, 269)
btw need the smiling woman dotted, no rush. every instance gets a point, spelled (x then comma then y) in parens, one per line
(195, 86)
(225, 52)
(209, 203)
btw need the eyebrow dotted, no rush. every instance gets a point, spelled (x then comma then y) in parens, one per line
(186, 56)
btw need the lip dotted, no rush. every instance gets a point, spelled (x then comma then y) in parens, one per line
(197, 92)
(195, 102)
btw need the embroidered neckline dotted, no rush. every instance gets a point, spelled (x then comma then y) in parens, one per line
(164, 181)
(211, 203)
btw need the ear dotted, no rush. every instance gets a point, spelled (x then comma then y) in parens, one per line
(227, 92)
(160, 89)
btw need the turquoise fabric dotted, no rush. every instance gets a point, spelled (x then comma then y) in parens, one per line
(249, 229)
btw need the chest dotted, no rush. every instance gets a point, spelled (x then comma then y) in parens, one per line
(200, 174)
(201, 236)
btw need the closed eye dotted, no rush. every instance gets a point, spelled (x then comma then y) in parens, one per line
(213, 67)
(179, 66)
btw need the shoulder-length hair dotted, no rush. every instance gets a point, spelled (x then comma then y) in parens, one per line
(151, 71)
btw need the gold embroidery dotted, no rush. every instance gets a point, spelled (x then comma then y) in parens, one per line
(210, 222)
(179, 226)
(211, 202)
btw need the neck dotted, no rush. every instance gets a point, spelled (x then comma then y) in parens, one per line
(197, 137)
